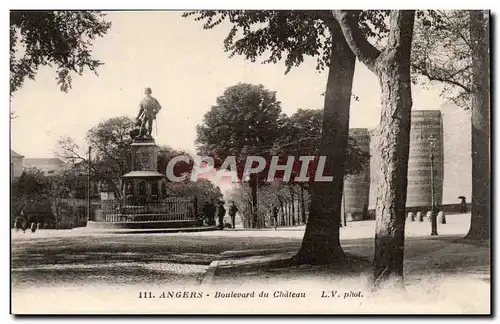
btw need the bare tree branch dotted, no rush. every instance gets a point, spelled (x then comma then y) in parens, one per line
(436, 77)
(457, 29)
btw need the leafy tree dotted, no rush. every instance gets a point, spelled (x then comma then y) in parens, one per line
(301, 136)
(31, 182)
(245, 121)
(60, 39)
(292, 35)
(110, 146)
(441, 52)
(203, 189)
(453, 49)
(58, 189)
(28, 194)
(166, 153)
(45, 198)
(392, 67)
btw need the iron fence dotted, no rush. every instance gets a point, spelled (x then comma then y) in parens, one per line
(167, 209)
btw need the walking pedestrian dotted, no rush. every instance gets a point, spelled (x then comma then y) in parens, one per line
(221, 212)
(274, 215)
(205, 213)
(232, 213)
(209, 210)
(463, 204)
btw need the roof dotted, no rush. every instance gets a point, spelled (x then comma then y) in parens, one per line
(43, 161)
(47, 165)
(15, 154)
(143, 174)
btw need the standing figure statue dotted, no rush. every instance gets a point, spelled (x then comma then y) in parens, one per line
(149, 108)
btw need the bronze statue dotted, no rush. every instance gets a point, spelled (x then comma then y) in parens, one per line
(149, 108)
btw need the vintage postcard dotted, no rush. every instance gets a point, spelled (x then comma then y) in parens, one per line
(250, 162)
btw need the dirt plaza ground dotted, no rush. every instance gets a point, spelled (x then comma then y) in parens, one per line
(77, 261)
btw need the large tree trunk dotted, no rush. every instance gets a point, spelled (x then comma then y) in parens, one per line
(393, 143)
(480, 213)
(321, 243)
(253, 186)
(249, 214)
(302, 204)
(282, 213)
(292, 197)
(392, 66)
(288, 214)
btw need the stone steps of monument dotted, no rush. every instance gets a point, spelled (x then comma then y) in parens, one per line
(187, 224)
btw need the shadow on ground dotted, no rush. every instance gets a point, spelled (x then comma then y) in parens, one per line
(184, 259)
(123, 259)
(424, 257)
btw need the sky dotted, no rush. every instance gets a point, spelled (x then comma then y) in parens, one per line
(187, 69)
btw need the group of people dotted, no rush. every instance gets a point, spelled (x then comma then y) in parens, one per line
(21, 222)
(210, 210)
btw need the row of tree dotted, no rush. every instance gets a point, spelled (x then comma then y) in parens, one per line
(291, 200)
(247, 120)
(51, 199)
(382, 41)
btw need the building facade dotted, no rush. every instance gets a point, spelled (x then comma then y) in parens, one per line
(49, 166)
(357, 186)
(16, 165)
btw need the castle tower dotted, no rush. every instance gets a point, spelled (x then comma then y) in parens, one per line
(357, 186)
(424, 123)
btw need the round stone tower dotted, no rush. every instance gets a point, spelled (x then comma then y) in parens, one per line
(424, 124)
(357, 186)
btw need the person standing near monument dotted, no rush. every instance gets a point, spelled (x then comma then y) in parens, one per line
(221, 212)
(232, 212)
(463, 204)
(149, 108)
(274, 215)
(209, 211)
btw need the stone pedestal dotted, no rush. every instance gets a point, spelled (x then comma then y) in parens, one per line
(144, 183)
(144, 156)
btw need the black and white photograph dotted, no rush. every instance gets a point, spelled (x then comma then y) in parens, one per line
(244, 162)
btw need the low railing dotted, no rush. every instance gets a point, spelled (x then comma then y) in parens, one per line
(167, 209)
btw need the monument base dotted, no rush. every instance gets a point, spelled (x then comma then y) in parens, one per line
(146, 227)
